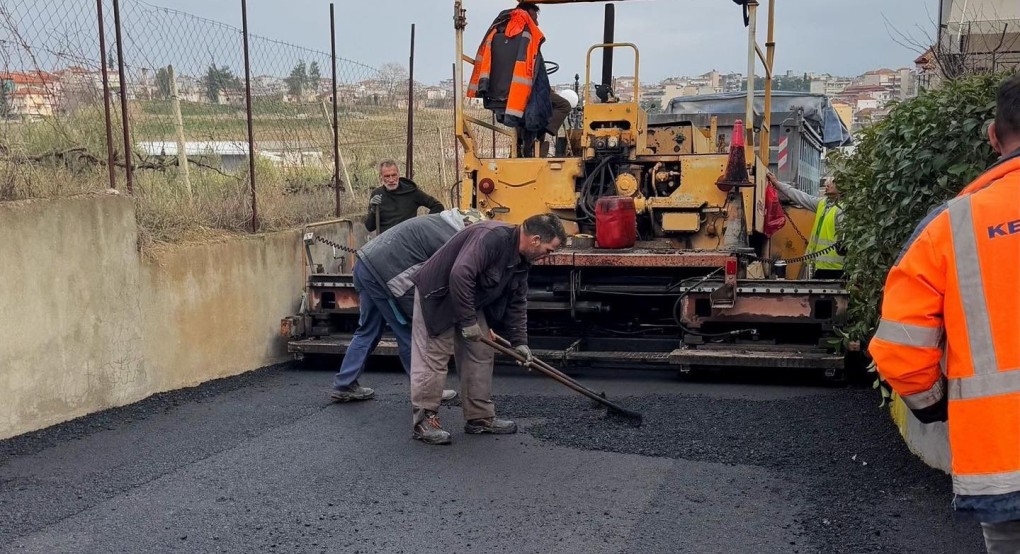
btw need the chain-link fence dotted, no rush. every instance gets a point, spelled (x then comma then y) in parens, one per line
(187, 110)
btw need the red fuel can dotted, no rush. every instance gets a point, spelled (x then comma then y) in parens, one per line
(615, 222)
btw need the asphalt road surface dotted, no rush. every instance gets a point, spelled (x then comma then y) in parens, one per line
(265, 463)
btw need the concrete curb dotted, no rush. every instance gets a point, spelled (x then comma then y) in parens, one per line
(930, 442)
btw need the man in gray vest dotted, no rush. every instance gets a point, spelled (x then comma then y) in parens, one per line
(382, 277)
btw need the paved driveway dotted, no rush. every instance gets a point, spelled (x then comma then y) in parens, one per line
(264, 463)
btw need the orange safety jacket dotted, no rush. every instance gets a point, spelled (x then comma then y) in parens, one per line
(951, 327)
(520, 23)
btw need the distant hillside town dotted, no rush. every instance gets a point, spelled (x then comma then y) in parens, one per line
(860, 100)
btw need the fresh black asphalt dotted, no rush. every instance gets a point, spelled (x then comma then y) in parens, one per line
(264, 462)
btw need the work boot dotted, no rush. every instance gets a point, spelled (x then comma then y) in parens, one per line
(491, 426)
(354, 391)
(449, 394)
(430, 430)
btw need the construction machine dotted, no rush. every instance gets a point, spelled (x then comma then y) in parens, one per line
(702, 285)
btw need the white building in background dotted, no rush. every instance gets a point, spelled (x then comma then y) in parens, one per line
(232, 156)
(980, 35)
(30, 95)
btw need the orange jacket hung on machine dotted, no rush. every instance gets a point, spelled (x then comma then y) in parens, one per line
(492, 78)
(949, 337)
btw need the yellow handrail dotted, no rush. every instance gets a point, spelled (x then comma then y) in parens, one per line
(587, 68)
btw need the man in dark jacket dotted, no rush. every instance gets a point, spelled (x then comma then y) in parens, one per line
(382, 277)
(546, 110)
(397, 200)
(479, 277)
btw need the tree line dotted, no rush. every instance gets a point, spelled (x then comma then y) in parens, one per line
(217, 79)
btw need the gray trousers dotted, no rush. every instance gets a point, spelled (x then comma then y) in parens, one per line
(1002, 538)
(429, 359)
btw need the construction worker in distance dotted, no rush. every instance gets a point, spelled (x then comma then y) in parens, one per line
(396, 200)
(509, 75)
(560, 103)
(382, 277)
(826, 229)
(478, 279)
(949, 339)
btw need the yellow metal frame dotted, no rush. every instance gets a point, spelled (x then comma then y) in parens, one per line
(507, 173)
(767, 57)
(607, 46)
(754, 50)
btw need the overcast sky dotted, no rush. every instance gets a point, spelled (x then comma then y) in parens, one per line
(676, 37)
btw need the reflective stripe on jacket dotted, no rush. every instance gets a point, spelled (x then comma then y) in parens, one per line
(825, 236)
(952, 305)
(531, 38)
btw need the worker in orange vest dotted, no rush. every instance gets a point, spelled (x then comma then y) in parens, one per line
(509, 75)
(949, 339)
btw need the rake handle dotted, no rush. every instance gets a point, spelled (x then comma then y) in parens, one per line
(534, 361)
(502, 346)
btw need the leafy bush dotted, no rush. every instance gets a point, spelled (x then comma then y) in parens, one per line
(921, 155)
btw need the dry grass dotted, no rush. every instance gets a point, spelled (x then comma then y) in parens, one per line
(31, 167)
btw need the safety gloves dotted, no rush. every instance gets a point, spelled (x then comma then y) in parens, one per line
(523, 350)
(472, 332)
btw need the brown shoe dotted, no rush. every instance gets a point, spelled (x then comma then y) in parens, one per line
(490, 426)
(430, 430)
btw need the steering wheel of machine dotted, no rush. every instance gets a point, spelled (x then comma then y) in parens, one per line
(551, 67)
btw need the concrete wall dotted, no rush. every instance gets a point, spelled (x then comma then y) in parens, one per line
(69, 307)
(214, 310)
(88, 324)
(930, 442)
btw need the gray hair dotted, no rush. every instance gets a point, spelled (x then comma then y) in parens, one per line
(388, 162)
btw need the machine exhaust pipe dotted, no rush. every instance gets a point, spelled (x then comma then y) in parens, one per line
(607, 53)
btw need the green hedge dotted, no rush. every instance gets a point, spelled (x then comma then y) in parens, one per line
(921, 155)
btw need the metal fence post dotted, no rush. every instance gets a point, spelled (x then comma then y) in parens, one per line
(251, 132)
(106, 95)
(442, 155)
(125, 123)
(336, 127)
(410, 112)
(456, 143)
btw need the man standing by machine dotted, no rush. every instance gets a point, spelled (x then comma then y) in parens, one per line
(827, 227)
(478, 278)
(382, 277)
(510, 76)
(396, 200)
(559, 105)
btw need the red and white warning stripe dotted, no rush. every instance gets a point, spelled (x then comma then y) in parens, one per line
(783, 143)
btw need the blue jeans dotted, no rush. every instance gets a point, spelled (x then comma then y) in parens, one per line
(376, 313)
